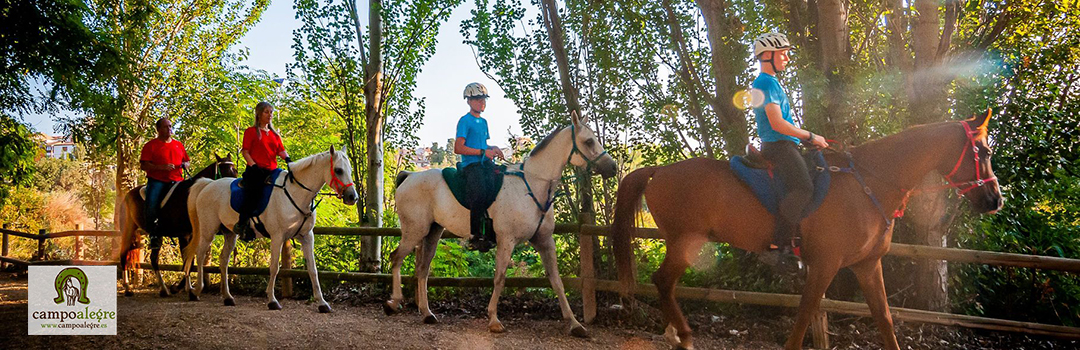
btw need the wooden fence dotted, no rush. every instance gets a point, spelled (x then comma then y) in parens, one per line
(589, 285)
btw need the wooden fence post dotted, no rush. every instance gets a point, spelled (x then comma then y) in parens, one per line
(4, 248)
(819, 326)
(41, 245)
(287, 263)
(78, 243)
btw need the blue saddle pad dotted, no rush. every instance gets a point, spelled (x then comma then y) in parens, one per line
(237, 194)
(768, 189)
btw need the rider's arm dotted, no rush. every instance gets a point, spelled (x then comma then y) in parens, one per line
(462, 149)
(147, 165)
(247, 157)
(777, 122)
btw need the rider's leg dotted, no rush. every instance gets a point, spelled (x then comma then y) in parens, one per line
(474, 194)
(253, 180)
(790, 168)
(155, 190)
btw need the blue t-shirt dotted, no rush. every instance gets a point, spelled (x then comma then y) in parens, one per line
(475, 132)
(773, 93)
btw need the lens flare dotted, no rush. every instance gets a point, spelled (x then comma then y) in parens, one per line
(751, 98)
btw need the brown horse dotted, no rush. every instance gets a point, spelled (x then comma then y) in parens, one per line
(173, 221)
(700, 200)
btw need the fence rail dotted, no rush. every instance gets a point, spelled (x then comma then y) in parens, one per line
(588, 284)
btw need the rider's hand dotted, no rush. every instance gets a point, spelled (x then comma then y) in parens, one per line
(819, 141)
(493, 152)
(170, 167)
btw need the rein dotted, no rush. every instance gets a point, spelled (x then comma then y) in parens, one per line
(962, 187)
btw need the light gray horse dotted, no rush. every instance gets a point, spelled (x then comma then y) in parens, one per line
(521, 212)
(289, 215)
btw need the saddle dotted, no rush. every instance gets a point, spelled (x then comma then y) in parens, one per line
(236, 192)
(756, 172)
(492, 184)
(142, 194)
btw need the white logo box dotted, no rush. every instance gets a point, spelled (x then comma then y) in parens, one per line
(71, 300)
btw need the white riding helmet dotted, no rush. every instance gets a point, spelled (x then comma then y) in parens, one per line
(475, 90)
(770, 42)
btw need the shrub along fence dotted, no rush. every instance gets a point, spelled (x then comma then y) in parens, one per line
(589, 285)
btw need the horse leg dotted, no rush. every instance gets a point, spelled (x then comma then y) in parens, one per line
(545, 245)
(679, 247)
(184, 256)
(423, 270)
(502, 260)
(206, 237)
(873, 285)
(227, 247)
(307, 244)
(187, 253)
(127, 229)
(155, 255)
(276, 243)
(409, 240)
(818, 278)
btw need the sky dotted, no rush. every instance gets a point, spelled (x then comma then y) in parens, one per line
(441, 82)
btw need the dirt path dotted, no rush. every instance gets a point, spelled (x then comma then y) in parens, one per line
(148, 321)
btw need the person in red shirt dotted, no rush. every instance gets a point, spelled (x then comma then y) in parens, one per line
(163, 159)
(261, 149)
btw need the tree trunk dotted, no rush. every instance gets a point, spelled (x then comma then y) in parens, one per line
(723, 34)
(927, 104)
(687, 74)
(835, 53)
(371, 247)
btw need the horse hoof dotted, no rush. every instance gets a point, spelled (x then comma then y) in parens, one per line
(496, 328)
(273, 305)
(324, 309)
(163, 294)
(430, 319)
(391, 307)
(128, 293)
(193, 297)
(230, 302)
(579, 331)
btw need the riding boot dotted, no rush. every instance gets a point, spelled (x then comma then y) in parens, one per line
(243, 229)
(476, 227)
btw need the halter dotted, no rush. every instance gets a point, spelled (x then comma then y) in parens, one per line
(217, 168)
(965, 187)
(573, 139)
(335, 183)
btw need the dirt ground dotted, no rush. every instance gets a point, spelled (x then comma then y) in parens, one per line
(147, 321)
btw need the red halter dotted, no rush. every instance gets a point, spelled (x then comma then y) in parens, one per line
(965, 187)
(336, 183)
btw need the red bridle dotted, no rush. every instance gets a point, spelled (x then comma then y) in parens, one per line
(965, 187)
(336, 183)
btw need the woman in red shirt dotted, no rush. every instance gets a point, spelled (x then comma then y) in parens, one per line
(262, 146)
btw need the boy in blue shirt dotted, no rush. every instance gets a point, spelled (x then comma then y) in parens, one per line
(476, 156)
(780, 139)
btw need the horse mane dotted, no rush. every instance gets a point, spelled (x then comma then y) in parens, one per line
(891, 141)
(306, 162)
(547, 140)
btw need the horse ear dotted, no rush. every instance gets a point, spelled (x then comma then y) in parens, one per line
(217, 156)
(980, 122)
(331, 149)
(574, 116)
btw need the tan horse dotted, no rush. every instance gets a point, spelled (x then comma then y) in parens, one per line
(700, 200)
(173, 220)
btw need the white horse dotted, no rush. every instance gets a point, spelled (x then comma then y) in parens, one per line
(290, 214)
(522, 211)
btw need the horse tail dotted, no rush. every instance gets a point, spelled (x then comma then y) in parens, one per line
(627, 203)
(192, 205)
(401, 178)
(127, 252)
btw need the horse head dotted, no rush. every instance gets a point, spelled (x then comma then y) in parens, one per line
(225, 167)
(341, 177)
(972, 173)
(587, 150)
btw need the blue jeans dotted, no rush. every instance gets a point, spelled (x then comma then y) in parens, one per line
(155, 191)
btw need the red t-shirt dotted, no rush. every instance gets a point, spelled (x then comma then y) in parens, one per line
(264, 150)
(161, 152)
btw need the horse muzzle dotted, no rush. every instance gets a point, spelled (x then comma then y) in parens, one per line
(350, 197)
